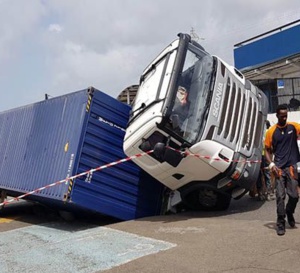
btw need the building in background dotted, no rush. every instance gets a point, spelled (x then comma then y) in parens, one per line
(128, 94)
(271, 61)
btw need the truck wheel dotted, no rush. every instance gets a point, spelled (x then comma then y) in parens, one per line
(223, 201)
(207, 200)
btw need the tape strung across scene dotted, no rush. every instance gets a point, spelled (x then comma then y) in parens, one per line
(75, 176)
(113, 164)
(213, 158)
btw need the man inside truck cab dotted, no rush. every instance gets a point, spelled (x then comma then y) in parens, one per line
(180, 109)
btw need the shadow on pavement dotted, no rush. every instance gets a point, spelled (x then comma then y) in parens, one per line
(25, 213)
(244, 205)
(29, 213)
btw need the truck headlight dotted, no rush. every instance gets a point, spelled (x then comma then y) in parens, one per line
(239, 168)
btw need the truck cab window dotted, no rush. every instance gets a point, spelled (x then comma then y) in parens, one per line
(192, 94)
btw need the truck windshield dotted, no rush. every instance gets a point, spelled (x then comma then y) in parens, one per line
(153, 86)
(188, 115)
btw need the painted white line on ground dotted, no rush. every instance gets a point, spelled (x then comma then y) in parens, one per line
(180, 230)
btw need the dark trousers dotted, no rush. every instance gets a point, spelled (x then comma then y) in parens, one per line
(286, 183)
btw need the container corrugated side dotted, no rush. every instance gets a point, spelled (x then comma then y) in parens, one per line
(33, 141)
(50, 140)
(125, 190)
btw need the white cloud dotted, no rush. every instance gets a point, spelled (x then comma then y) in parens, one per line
(79, 67)
(55, 28)
(16, 23)
(108, 43)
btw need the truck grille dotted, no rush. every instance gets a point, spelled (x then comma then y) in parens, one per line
(240, 124)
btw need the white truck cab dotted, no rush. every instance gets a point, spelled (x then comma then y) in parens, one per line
(204, 122)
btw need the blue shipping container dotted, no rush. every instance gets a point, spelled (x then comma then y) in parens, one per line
(51, 140)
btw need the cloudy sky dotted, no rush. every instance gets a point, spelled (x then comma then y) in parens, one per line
(60, 46)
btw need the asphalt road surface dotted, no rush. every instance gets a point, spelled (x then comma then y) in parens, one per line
(240, 240)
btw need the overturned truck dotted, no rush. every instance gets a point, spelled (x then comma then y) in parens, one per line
(204, 122)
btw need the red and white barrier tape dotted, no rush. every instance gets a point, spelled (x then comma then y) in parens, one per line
(75, 176)
(213, 158)
(115, 163)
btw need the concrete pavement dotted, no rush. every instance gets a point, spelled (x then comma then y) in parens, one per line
(240, 240)
(214, 245)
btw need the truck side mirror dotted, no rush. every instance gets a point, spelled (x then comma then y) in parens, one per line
(159, 150)
(170, 156)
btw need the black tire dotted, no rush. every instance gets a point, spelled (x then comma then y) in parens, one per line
(205, 199)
